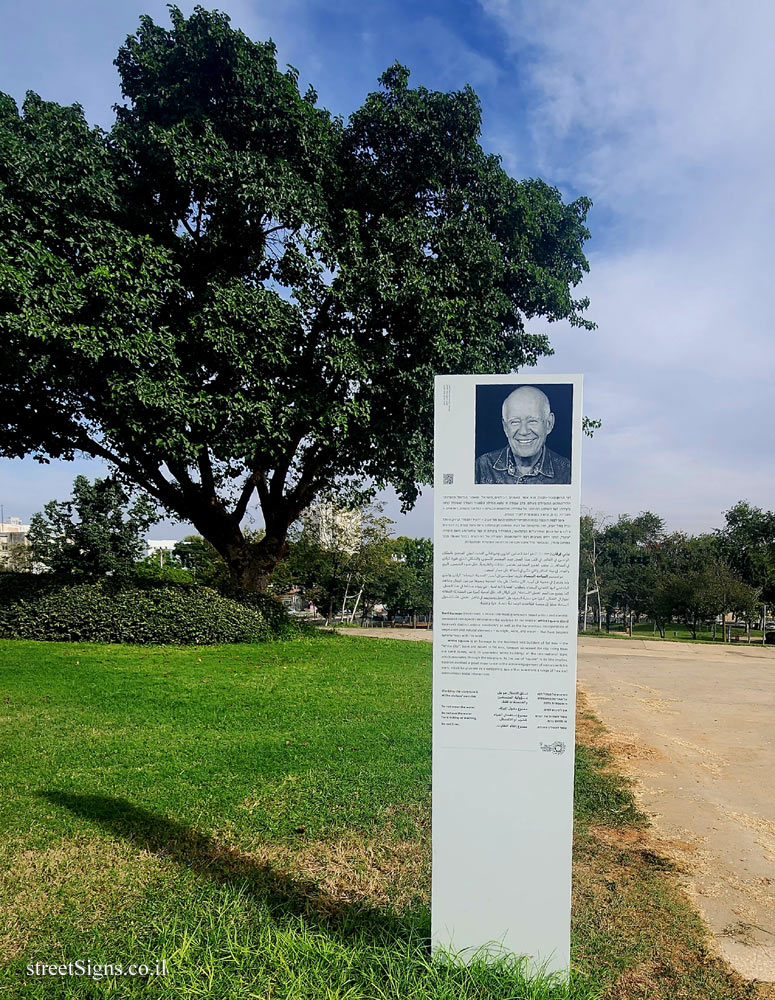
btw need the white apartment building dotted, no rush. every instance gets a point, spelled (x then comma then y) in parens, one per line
(12, 533)
(156, 546)
(336, 527)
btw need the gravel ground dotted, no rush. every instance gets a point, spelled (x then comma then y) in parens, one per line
(694, 726)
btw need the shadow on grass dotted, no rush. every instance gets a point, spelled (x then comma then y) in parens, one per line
(284, 894)
(386, 953)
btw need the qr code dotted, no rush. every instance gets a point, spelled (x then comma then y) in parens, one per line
(448, 478)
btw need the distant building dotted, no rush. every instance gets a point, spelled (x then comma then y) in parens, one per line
(157, 546)
(335, 527)
(12, 533)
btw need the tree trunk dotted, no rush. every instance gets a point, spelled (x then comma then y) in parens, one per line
(355, 606)
(251, 564)
(586, 605)
(346, 594)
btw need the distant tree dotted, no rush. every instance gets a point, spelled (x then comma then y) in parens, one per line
(664, 599)
(19, 559)
(200, 558)
(614, 558)
(339, 558)
(235, 294)
(591, 529)
(629, 547)
(97, 532)
(693, 582)
(371, 567)
(747, 542)
(696, 598)
(162, 566)
(409, 577)
(745, 603)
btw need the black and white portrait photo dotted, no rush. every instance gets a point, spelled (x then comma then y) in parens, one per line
(523, 434)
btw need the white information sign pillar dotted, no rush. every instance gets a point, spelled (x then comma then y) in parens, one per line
(506, 542)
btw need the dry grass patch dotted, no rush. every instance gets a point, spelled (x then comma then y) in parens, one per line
(357, 870)
(87, 880)
(632, 918)
(84, 881)
(623, 747)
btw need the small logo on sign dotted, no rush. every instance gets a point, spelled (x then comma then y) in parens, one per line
(557, 747)
(447, 478)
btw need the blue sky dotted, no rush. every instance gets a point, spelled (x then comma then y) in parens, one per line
(661, 112)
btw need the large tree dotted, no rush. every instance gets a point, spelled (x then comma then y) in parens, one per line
(232, 293)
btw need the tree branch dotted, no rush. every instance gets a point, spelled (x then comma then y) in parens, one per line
(244, 499)
(149, 477)
(281, 470)
(308, 484)
(206, 471)
(181, 473)
(263, 491)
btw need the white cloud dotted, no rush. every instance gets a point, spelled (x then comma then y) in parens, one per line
(662, 112)
(659, 91)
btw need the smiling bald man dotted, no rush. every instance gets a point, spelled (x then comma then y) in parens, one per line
(527, 422)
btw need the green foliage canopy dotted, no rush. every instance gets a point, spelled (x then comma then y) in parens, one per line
(140, 613)
(641, 568)
(96, 533)
(339, 559)
(234, 293)
(409, 588)
(197, 556)
(748, 543)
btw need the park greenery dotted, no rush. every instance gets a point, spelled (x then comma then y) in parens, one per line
(345, 563)
(96, 533)
(141, 612)
(347, 566)
(90, 583)
(632, 567)
(258, 817)
(233, 294)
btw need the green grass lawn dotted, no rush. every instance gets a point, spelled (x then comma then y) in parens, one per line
(674, 633)
(258, 818)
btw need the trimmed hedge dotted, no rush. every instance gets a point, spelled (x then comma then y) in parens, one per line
(46, 608)
(280, 623)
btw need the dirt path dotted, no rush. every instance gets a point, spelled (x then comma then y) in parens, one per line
(694, 725)
(416, 634)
